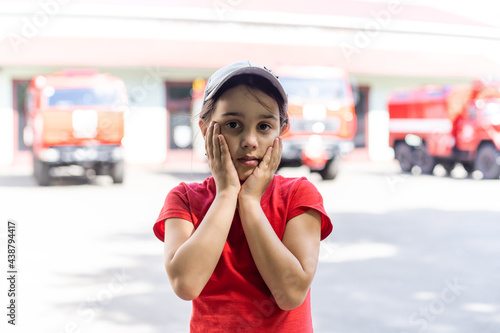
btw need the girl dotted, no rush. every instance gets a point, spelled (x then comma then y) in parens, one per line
(244, 244)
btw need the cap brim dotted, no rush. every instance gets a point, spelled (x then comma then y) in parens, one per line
(249, 69)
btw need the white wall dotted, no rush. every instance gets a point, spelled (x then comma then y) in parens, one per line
(382, 86)
(145, 138)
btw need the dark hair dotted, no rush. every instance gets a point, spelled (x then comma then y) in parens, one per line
(251, 81)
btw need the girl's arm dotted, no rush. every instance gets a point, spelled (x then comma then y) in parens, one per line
(191, 255)
(287, 266)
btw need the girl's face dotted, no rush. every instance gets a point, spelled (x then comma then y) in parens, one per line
(249, 120)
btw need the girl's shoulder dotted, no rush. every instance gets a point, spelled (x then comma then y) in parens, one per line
(290, 182)
(300, 195)
(287, 186)
(194, 190)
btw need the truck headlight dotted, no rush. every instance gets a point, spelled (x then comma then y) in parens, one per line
(346, 147)
(413, 140)
(117, 154)
(49, 155)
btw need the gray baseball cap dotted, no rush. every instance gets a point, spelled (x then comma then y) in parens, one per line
(220, 77)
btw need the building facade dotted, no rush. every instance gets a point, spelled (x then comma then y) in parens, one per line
(160, 47)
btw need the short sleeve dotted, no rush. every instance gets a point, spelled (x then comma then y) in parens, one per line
(176, 206)
(306, 197)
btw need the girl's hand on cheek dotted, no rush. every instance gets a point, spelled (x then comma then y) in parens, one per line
(255, 185)
(219, 160)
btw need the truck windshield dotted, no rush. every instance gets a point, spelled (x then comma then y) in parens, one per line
(315, 89)
(82, 97)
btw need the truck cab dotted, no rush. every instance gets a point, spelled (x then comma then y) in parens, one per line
(322, 118)
(76, 118)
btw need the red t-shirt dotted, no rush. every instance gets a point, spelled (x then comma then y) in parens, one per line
(236, 298)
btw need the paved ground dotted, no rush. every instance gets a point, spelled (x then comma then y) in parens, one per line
(408, 253)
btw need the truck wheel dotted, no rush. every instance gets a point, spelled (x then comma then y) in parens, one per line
(118, 172)
(448, 166)
(487, 161)
(331, 169)
(41, 171)
(469, 167)
(403, 152)
(423, 160)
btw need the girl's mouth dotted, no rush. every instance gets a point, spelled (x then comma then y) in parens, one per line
(249, 161)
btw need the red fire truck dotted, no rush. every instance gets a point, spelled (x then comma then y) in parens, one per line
(76, 118)
(321, 114)
(322, 118)
(447, 125)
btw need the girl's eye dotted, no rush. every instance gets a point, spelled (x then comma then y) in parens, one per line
(233, 125)
(264, 127)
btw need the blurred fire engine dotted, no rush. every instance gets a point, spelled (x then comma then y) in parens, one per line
(447, 125)
(321, 114)
(76, 118)
(322, 118)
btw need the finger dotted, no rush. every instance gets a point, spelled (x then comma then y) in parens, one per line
(226, 154)
(207, 133)
(224, 149)
(266, 160)
(279, 150)
(276, 154)
(216, 142)
(209, 141)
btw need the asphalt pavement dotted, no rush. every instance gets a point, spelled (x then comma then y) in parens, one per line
(409, 253)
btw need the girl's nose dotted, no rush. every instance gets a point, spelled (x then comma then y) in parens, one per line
(249, 140)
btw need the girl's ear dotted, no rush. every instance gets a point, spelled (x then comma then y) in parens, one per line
(203, 129)
(285, 127)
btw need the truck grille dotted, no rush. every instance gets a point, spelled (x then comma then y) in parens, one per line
(304, 125)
